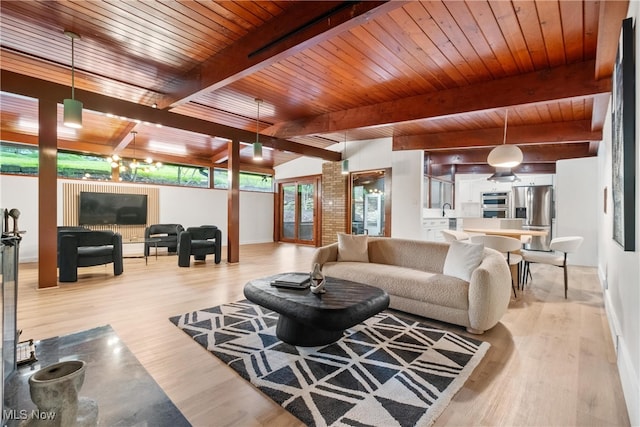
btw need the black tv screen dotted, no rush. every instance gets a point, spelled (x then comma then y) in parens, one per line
(112, 208)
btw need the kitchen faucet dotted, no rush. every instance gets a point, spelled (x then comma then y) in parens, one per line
(444, 206)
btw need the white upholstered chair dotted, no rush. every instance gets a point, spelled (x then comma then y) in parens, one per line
(561, 247)
(506, 245)
(451, 235)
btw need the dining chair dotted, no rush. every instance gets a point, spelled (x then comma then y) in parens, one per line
(506, 245)
(561, 246)
(525, 239)
(451, 235)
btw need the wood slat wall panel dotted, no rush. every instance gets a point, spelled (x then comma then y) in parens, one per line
(70, 199)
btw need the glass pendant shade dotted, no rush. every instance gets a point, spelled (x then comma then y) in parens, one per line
(72, 113)
(505, 156)
(257, 151)
(344, 169)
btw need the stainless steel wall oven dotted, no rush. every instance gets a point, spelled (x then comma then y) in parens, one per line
(495, 204)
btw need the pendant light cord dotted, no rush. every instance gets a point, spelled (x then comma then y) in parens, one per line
(73, 84)
(258, 124)
(506, 115)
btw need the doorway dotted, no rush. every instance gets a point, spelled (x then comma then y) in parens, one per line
(370, 202)
(298, 211)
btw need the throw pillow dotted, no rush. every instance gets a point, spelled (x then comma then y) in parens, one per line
(462, 258)
(352, 247)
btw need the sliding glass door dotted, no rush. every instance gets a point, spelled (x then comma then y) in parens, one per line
(298, 211)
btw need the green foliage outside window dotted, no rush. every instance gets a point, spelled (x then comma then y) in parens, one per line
(21, 159)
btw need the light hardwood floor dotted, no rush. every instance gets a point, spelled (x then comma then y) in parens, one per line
(551, 361)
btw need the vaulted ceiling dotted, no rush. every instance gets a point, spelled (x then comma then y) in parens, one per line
(434, 75)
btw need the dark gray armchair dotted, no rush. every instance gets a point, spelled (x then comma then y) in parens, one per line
(199, 242)
(166, 236)
(84, 248)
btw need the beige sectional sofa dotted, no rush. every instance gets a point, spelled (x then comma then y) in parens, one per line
(411, 272)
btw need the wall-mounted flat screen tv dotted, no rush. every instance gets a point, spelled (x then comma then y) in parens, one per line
(112, 208)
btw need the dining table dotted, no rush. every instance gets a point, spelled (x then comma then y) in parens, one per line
(516, 233)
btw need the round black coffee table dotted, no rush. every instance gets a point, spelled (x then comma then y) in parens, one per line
(308, 319)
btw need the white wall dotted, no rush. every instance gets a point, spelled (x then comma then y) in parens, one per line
(22, 193)
(181, 205)
(577, 207)
(619, 270)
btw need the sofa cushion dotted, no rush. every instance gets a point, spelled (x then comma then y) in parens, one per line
(462, 259)
(353, 247)
(421, 286)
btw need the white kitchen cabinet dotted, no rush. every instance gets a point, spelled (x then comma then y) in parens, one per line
(546, 179)
(432, 228)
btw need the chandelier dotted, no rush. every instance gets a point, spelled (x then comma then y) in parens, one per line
(148, 165)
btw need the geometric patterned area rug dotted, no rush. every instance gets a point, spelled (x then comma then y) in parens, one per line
(387, 371)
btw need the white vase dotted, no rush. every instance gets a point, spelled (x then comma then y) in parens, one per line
(54, 389)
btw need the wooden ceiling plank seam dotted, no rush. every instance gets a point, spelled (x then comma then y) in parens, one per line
(544, 113)
(430, 51)
(450, 26)
(590, 43)
(310, 69)
(103, 17)
(510, 28)
(572, 18)
(142, 24)
(194, 12)
(385, 50)
(610, 19)
(342, 92)
(225, 17)
(571, 81)
(529, 21)
(192, 32)
(476, 38)
(486, 21)
(431, 75)
(551, 24)
(376, 69)
(432, 30)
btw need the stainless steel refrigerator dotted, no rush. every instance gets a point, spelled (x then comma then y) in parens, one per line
(534, 204)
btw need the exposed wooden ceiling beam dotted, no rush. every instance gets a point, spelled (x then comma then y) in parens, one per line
(249, 167)
(523, 168)
(123, 138)
(609, 24)
(573, 81)
(287, 34)
(531, 153)
(576, 131)
(220, 154)
(41, 89)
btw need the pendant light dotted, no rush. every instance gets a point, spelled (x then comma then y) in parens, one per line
(134, 164)
(344, 168)
(257, 146)
(72, 107)
(505, 156)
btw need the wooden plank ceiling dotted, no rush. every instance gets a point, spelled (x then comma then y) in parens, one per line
(434, 75)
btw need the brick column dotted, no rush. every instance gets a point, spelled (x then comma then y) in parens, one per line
(334, 202)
